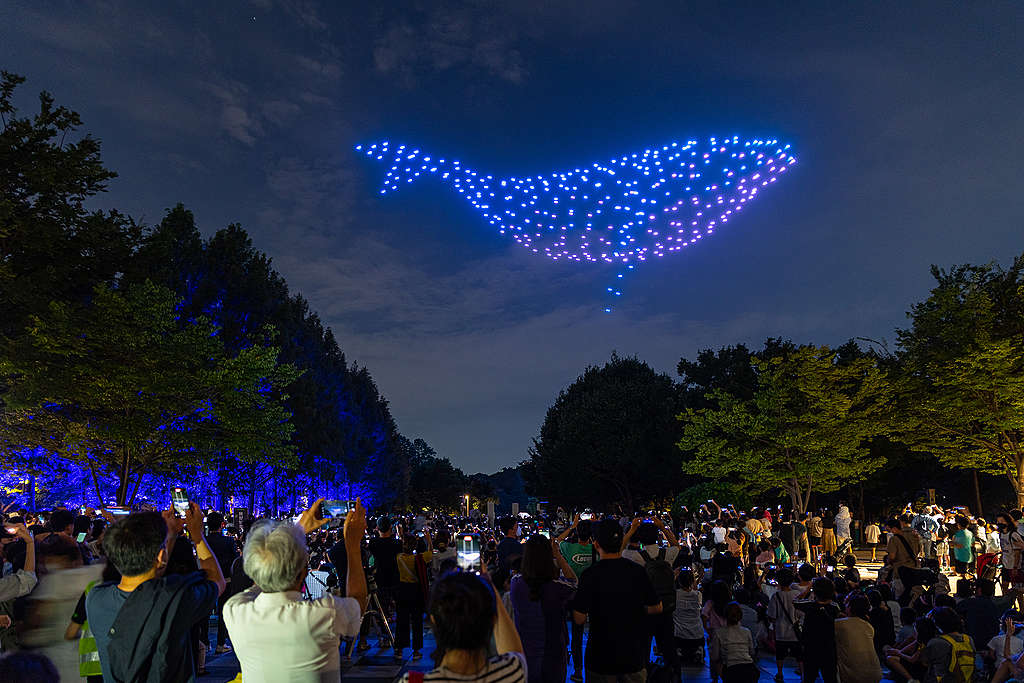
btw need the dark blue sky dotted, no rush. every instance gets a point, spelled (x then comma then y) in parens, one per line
(907, 119)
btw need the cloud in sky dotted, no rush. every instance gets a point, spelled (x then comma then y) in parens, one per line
(904, 118)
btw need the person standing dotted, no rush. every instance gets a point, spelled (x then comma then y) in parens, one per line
(732, 649)
(578, 551)
(143, 624)
(384, 548)
(618, 596)
(277, 635)
(226, 550)
(509, 548)
(843, 519)
(818, 639)
(871, 536)
(963, 550)
(926, 528)
(411, 597)
(540, 594)
(828, 532)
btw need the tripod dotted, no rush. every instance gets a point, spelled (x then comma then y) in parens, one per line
(374, 611)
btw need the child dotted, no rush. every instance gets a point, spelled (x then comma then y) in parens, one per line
(908, 661)
(765, 553)
(784, 618)
(906, 633)
(942, 552)
(779, 550)
(688, 627)
(732, 649)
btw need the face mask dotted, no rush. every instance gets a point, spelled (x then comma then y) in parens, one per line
(1002, 526)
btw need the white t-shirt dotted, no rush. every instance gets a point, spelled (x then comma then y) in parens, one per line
(281, 637)
(686, 617)
(671, 553)
(996, 645)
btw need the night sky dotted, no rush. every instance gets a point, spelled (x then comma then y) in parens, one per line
(907, 119)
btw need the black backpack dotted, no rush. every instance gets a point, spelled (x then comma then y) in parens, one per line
(660, 572)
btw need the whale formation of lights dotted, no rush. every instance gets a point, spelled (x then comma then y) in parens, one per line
(623, 211)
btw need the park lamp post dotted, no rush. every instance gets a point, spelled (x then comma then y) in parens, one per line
(466, 497)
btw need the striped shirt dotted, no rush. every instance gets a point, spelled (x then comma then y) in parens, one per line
(506, 668)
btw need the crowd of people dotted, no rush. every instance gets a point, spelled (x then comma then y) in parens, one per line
(548, 597)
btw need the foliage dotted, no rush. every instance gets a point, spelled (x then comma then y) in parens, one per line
(802, 430)
(433, 481)
(961, 371)
(51, 246)
(609, 437)
(125, 384)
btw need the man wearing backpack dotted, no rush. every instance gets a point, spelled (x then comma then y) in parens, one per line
(950, 655)
(657, 561)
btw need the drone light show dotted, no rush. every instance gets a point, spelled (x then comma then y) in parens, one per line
(623, 211)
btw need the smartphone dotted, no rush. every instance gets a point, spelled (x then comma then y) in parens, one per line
(179, 501)
(80, 538)
(81, 510)
(544, 532)
(119, 511)
(336, 509)
(468, 553)
(586, 516)
(11, 530)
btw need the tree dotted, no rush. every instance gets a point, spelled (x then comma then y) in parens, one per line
(961, 371)
(434, 482)
(803, 430)
(124, 384)
(609, 437)
(51, 247)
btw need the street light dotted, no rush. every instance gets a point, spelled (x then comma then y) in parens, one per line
(467, 504)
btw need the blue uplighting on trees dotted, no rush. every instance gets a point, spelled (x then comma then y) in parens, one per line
(621, 211)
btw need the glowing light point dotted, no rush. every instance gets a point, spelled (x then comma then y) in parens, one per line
(541, 214)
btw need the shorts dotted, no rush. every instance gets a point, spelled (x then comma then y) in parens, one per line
(961, 567)
(787, 648)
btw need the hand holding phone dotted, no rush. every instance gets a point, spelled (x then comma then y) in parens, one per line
(179, 501)
(468, 552)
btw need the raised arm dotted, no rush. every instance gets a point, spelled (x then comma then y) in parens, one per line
(562, 563)
(506, 638)
(355, 529)
(565, 534)
(207, 560)
(671, 537)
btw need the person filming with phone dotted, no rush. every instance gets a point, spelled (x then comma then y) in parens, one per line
(143, 623)
(276, 634)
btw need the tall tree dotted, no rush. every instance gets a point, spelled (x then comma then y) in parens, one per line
(961, 371)
(51, 246)
(804, 429)
(124, 384)
(609, 437)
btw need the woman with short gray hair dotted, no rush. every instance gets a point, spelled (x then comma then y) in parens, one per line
(277, 635)
(275, 556)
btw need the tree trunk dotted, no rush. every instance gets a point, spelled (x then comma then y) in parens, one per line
(977, 493)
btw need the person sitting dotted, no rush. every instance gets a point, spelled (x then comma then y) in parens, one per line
(950, 655)
(466, 613)
(276, 634)
(908, 661)
(855, 643)
(143, 623)
(981, 612)
(996, 653)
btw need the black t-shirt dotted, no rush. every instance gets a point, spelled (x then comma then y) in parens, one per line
(819, 632)
(615, 593)
(385, 553)
(338, 555)
(508, 550)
